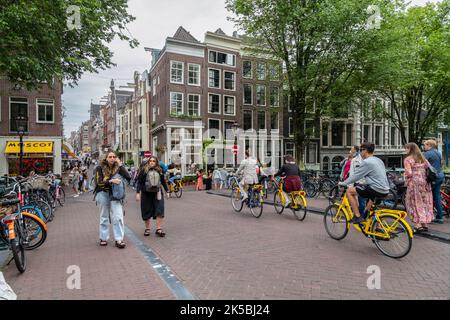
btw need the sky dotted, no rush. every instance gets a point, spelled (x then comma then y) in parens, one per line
(155, 21)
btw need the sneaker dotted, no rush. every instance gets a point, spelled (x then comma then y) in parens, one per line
(244, 198)
(438, 221)
(357, 220)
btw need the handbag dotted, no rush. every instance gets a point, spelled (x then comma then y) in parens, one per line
(431, 173)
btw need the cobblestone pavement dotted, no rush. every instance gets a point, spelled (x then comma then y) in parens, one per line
(220, 254)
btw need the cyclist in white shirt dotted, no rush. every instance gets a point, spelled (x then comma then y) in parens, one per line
(248, 167)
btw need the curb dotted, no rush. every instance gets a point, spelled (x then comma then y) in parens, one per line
(431, 234)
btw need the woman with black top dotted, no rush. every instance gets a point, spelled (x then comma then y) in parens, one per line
(292, 181)
(152, 203)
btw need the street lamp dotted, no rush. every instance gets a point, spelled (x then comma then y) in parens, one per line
(235, 127)
(21, 123)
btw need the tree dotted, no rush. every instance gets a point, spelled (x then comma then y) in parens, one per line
(39, 40)
(409, 66)
(321, 43)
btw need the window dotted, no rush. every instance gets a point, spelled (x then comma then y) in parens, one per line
(261, 71)
(311, 154)
(274, 97)
(229, 105)
(248, 119)
(260, 95)
(274, 71)
(214, 78)
(176, 72)
(193, 105)
(393, 141)
(325, 134)
(261, 120)
(337, 134)
(228, 130)
(378, 139)
(230, 82)
(291, 128)
(247, 71)
(274, 120)
(213, 125)
(154, 87)
(248, 93)
(176, 104)
(349, 134)
(45, 111)
(222, 58)
(194, 74)
(17, 107)
(290, 149)
(366, 136)
(214, 103)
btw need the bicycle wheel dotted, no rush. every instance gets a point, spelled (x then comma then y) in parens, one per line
(335, 194)
(18, 252)
(390, 201)
(62, 197)
(236, 200)
(278, 203)
(310, 189)
(46, 209)
(178, 192)
(256, 205)
(326, 185)
(34, 233)
(301, 210)
(335, 222)
(399, 242)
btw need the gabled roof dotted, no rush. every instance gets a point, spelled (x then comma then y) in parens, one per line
(183, 35)
(220, 31)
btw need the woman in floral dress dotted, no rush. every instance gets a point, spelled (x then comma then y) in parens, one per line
(419, 199)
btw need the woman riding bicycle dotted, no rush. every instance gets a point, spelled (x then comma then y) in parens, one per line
(292, 181)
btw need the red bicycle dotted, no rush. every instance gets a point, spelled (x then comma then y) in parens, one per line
(445, 198)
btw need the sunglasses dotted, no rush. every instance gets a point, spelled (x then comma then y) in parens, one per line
(152, 161)
(114, 157)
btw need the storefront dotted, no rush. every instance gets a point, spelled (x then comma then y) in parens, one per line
(40, 154)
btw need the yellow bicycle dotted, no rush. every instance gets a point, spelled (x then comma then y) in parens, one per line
(176, 187)
(298, 202)
(387, 228)
(255, 200)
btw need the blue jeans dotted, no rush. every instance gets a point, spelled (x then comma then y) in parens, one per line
(114, 208)
(436, 189)
(172, 180)
(362, 206)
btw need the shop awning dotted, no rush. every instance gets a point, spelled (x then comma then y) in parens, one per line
(68, 148)
(29, 147)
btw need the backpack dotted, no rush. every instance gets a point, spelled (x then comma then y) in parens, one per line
(118, 190)
(152, 181)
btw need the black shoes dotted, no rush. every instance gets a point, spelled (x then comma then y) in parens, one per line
(356, 220)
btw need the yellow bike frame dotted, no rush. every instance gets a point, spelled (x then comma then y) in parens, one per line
(294, 196)
(178, 183)
(345, 207)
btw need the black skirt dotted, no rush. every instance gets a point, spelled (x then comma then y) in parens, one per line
(151, 207)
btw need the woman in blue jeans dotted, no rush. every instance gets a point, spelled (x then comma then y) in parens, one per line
(111, 211)
(435, 159)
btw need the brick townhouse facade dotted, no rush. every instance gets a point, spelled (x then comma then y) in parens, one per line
(43, 131)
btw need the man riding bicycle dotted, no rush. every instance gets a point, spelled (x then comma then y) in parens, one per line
(248, 167)
(372, 169)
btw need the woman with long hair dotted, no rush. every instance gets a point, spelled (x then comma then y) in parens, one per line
(419, 199)
(149, 193)
(292, 181)
(111, 211)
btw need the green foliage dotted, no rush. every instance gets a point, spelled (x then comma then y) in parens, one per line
(36, 44)
(130, 162)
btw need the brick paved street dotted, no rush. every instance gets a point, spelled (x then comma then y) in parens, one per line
(220, 254)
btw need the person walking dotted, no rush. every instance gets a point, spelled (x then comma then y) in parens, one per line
(111, 211)
(346, 167)
(149, 193)
(199, 180)
(419, 199)
(75, 181)
(435, 159)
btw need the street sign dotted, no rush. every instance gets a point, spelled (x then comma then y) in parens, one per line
(235, 149)
(147, 154)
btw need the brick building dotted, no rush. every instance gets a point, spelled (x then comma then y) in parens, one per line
(43, 130)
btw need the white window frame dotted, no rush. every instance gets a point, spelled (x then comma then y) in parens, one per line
(243, 94)
(9, 114)
(182, 72)
(278, 96)
(209, 105)
(222, 64)
(243, 119)
(224, 106)
(220, 79)
(170, 103)
(209, 128)
(154, 86)
(224, 128)
(199, 104)
(293, 147)
(265, 95)
(199, 74)
(265, 71)
(155, 144)
(46, 104)
(234, 80)
(251, 69)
